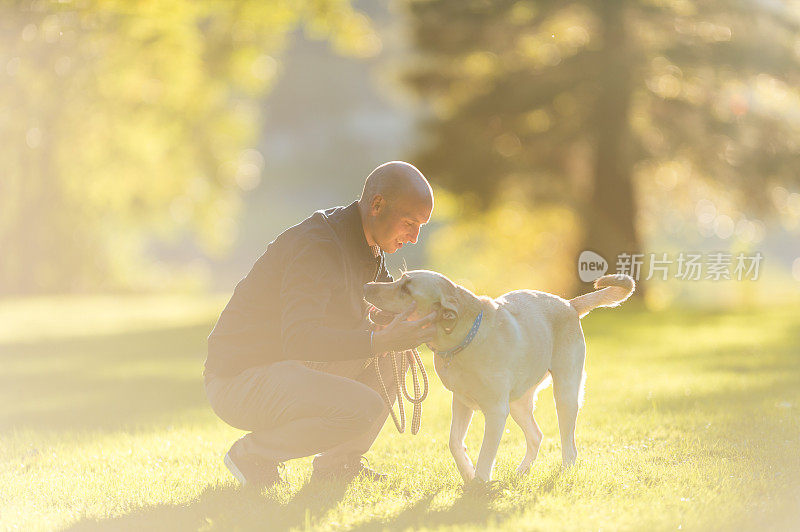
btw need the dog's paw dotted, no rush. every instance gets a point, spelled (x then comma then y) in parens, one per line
(523, 469)
(567, 463)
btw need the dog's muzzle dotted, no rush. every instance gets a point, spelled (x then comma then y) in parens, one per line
(380, 317)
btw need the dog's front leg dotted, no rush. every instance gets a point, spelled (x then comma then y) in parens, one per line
(495, 423)
(462, 416)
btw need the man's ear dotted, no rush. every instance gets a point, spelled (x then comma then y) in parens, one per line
(377, 204)
(448, 316)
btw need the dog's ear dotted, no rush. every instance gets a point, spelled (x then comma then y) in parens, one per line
(448, 314)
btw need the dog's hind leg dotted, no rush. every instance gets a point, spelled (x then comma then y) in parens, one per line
(495, 422)
(522, 412)
(567, 395)
(568, 377)
(462, 416)
(567, 409)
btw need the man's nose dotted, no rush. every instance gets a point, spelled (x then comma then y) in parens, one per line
(414, 236)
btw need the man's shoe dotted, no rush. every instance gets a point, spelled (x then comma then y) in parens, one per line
(348, 471)
(252, 471)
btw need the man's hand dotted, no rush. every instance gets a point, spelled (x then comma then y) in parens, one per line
(400, 334)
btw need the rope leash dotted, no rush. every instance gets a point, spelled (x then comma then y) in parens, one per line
(414, 362)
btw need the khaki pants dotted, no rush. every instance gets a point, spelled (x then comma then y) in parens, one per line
(291, 410)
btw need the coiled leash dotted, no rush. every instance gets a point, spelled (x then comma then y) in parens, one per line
(414, 362)
(401, 387)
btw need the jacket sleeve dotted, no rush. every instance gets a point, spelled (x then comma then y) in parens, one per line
(305, 293)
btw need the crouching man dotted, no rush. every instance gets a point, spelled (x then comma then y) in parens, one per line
(288, 359)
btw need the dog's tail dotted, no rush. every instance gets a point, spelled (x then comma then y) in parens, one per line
(610, 291)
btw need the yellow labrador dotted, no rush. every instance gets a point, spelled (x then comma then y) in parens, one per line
(493, 354)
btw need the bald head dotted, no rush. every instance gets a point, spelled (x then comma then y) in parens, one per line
(397, 180)
(396, 201)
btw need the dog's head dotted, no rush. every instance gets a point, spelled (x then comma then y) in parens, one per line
(431, 291)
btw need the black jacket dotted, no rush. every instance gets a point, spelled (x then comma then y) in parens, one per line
(303, 298)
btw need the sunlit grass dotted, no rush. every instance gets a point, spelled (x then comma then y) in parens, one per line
(691, 421)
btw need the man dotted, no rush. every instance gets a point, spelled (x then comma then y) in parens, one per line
(303, 301)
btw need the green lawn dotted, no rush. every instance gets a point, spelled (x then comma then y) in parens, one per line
(691, 421)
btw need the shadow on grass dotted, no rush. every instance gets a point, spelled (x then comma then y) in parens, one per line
(228, 509)
(102, 382)
(236, 509)
(469, 509)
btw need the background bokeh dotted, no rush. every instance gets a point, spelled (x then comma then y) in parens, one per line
(159, 146)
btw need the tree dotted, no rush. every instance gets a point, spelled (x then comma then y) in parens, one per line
(121, 120)
(570, 99)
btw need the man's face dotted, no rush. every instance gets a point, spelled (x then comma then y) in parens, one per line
(397, 223)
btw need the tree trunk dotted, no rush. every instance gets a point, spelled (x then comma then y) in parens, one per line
(610, 214)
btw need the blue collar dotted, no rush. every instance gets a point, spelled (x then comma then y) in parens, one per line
(460, 347)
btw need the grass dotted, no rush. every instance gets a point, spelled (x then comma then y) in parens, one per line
(690, 422)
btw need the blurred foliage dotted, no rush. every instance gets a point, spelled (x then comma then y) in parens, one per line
(120, 120)
(505, 248)
(609, 108)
